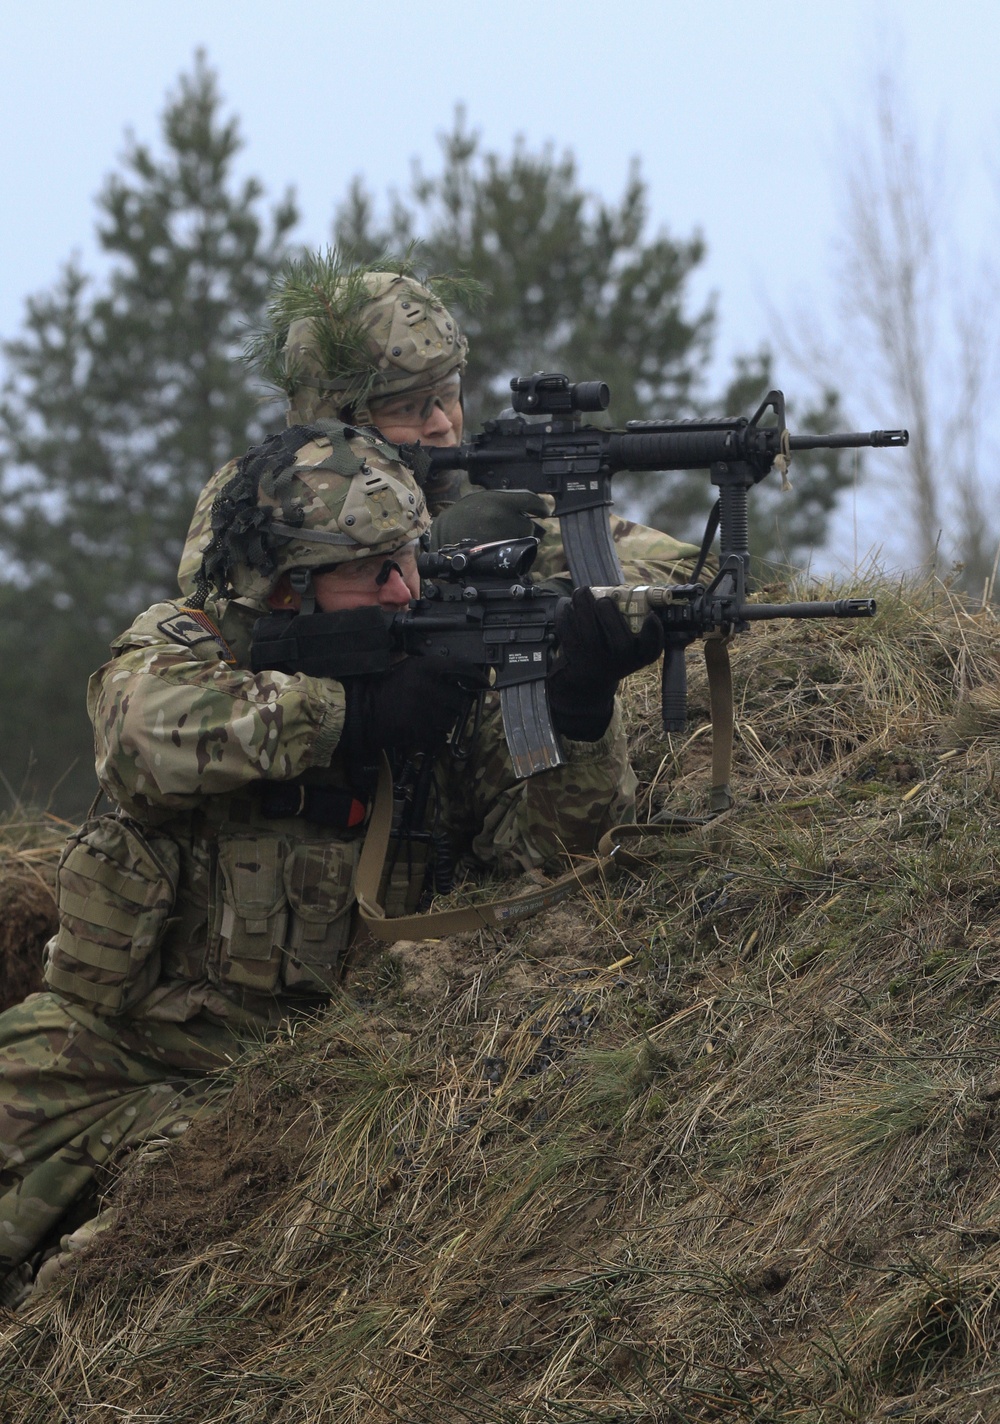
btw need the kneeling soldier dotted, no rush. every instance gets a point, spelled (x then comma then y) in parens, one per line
(218, 897)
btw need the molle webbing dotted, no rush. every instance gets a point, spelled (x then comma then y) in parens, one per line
(344, 461)
(341, 460)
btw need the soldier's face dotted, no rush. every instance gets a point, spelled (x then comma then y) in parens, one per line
(432, 416)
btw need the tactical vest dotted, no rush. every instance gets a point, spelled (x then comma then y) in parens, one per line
(249, 891)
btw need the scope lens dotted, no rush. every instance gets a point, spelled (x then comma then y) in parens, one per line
(591, 395)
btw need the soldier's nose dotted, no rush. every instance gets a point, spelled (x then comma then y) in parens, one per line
(394, 592)
(437, 422)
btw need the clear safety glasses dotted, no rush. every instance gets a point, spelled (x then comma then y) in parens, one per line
(414, 407)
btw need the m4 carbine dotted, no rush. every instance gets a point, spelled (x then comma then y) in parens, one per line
(477, 606)
(557, 455)
(575, 463)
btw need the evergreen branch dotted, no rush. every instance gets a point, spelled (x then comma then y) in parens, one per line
(329, 289)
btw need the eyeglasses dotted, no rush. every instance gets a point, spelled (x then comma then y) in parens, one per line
(368, 573)
(414, 407)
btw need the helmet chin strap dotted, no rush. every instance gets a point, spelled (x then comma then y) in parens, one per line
(301, 581)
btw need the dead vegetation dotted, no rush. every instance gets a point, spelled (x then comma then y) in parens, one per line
(715, 1144)
(29, 849)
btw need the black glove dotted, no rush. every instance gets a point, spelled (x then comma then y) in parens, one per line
(411, 708)
(596, 649)
(489, 515)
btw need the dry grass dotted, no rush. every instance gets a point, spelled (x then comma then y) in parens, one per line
(713, 1144)
(29, 849)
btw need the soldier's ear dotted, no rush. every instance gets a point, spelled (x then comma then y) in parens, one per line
(283, 595)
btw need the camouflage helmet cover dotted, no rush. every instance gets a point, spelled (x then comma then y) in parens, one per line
(344, 497)
(409, 341)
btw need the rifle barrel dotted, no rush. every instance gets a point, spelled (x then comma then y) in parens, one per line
(850, 440)
(835, 608)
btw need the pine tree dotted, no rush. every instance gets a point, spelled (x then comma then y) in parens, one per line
(123, 396)
(575, 283)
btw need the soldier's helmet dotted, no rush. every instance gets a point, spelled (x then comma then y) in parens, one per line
(339, 336)
(341, 495)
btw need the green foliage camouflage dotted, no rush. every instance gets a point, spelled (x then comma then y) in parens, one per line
(338, 297)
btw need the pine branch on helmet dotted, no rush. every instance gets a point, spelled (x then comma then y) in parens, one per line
(338, 334)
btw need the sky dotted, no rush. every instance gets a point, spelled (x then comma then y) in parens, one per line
(740, 113)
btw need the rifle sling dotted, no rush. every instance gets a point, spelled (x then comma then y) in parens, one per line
(720, 687)
(492, 914)
(711, 526)
(720, 695)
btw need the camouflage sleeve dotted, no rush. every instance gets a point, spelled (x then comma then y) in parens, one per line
(200, 530)
(514, 825)
(174, 722)
(646, 555)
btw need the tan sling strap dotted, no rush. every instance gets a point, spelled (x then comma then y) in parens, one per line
(720, 694)
(492, 914)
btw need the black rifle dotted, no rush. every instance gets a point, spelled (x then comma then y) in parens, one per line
(477, 606)
(575, 463)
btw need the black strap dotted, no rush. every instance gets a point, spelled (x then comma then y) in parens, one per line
(706, 541)
(321, 805)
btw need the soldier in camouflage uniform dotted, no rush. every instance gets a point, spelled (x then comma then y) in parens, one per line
(380, 348)
(218, 897)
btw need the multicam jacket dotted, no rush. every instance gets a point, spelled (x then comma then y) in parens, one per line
(257, 908)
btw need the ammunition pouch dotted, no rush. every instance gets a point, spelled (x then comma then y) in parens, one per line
(115, 888)
(281, 913)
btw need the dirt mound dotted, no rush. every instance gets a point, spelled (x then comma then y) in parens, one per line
(224, 1174)
(716, 1142)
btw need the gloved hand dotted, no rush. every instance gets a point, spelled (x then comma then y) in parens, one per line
(596, 649)
(411, 708)
(489, 515)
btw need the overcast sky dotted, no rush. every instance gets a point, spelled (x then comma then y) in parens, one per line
(737, 110)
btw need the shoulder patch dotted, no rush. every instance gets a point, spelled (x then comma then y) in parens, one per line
(191, 627)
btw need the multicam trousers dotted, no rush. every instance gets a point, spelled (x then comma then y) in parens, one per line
(71, 1101)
